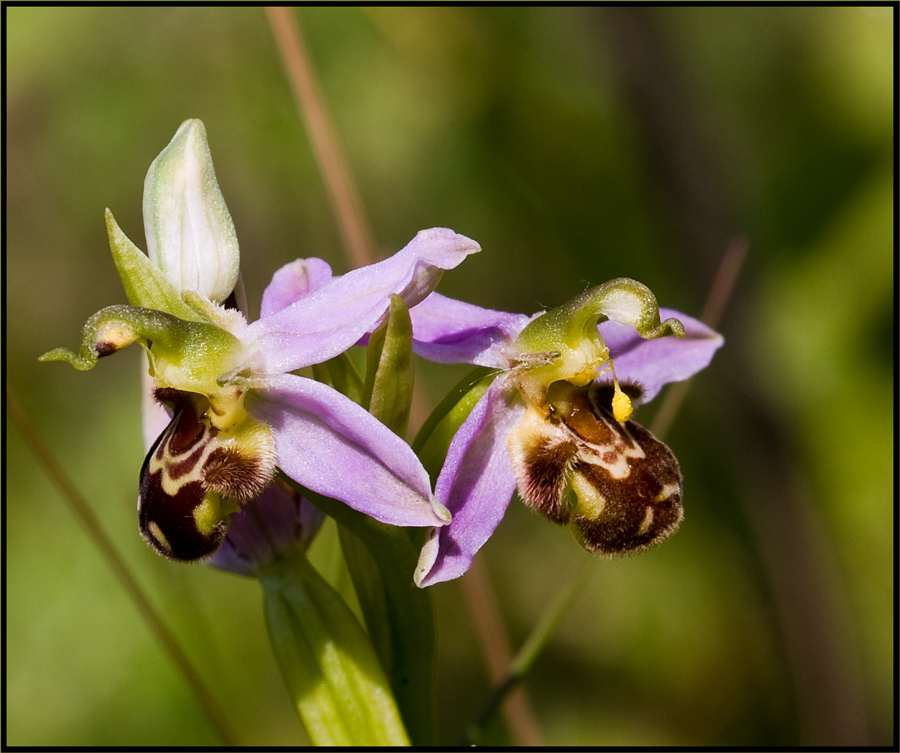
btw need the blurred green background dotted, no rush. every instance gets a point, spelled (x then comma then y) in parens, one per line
(576, 145)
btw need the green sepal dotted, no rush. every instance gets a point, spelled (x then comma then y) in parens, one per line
(399, 615)
(433, 439)
(341, 373)
(327, 662)
(389, 369)
(145, 284)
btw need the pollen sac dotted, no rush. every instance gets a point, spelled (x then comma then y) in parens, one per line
(615, 485)
(196, 474)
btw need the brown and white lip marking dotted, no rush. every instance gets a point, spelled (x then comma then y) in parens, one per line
(615, 485)
(188, 463)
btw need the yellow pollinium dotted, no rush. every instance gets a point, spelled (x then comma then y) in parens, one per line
(621, 406)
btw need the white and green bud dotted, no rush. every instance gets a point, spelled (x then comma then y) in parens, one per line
(190, 233)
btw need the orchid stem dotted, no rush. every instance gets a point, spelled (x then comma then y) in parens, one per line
(532, 647)
(719, 295)
(538, 638)
(517, 711)
(114, 560)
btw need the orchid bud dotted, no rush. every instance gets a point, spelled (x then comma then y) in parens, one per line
(190, 234)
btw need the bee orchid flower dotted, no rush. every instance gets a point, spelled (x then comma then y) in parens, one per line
(235, 410)
(551, 418)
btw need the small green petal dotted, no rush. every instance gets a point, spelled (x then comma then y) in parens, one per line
(106, 332)
(185, 355)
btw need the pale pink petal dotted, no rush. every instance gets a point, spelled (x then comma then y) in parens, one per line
(292, 282)
(329, 444)
(334, 317)
(449, 331)
(654, 363)
(475, 484)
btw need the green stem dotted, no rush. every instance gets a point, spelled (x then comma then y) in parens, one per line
(530, 650)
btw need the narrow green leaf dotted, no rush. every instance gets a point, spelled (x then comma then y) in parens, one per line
(365, 572)
(341, 373)
(434, 437)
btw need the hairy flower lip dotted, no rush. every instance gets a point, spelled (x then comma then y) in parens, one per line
(617, 487)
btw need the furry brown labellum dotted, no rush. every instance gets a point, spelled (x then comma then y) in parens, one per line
(616, 486)
(192, 479)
